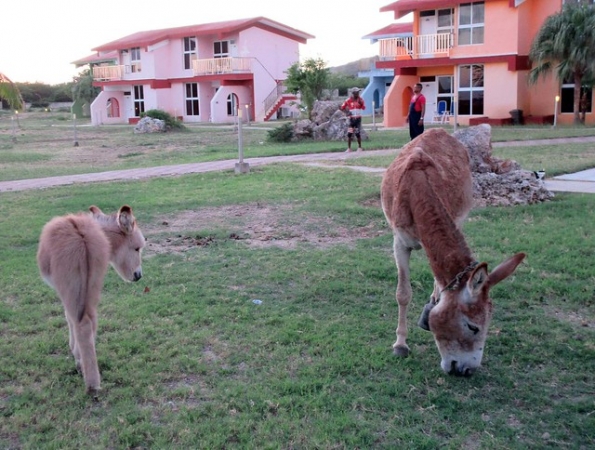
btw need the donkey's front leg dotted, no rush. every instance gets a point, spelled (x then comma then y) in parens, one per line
(402, 255)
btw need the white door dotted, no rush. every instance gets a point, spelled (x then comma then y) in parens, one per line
(428, 24)
(430, 92)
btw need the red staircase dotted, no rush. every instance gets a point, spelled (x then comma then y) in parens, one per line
(277, 98)
(284, 98)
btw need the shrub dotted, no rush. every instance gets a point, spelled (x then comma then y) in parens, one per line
(283, 133)
(171, 123)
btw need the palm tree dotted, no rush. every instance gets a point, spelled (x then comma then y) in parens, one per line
(10, 93)
(566, 44)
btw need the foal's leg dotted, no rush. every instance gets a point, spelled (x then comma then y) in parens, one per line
(402, 255)
(72, 341)
(85, 337)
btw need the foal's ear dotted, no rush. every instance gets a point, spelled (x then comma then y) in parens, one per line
(125, 219)
(95, 211)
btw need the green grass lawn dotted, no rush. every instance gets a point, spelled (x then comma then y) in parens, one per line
(188, 360)
(42, 144)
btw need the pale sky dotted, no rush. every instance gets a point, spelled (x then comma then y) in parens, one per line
(39, 39)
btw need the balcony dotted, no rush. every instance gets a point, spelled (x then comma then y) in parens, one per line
(415, 47)
(215, 66)
(111, 73)
(107, 73)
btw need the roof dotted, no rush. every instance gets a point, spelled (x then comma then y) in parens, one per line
(219, 29)
(404, 7)
(392, 30)
(96, 58)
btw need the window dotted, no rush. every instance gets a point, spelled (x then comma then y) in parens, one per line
(135, 59)
(567, 99)
(192, 108)
(471, 23)
(470, 90)
(139, 100)
(445, 90)
(444, 20)
(220, 49)
(189, 51)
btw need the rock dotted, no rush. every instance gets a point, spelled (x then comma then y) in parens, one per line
(328, 123)
(322, 111)
(498, 182)
(150, 125)
(302, 129)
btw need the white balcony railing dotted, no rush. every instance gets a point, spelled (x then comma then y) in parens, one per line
(106, 73)
(221, 65)
(413, 47)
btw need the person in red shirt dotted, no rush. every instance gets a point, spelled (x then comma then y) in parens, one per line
(354, 107)
(417, 109)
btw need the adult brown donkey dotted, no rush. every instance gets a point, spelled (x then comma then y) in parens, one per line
(73, 257)
(427, 193)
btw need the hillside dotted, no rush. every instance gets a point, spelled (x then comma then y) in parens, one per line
(354, 67)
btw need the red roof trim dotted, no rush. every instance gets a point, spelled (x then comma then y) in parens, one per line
(160, 84)
(515, 62)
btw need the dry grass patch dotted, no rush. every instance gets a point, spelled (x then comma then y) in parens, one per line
(257, 225)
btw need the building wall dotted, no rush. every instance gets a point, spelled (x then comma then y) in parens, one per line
(508, 31)
(271, 55)
(397, 100)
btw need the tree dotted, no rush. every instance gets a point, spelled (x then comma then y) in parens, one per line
(10, 93)
(309, 78)
(343, 82)
(83, 87)
(565, 44)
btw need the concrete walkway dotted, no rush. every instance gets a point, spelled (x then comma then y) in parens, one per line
(583, 181)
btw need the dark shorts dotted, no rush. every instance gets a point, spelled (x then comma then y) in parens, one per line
(355, 124)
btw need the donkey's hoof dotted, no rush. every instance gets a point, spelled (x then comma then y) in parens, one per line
(401, 351)
(93, 393)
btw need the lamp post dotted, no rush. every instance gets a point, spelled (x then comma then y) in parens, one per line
(247, 114)
(241, 166)
(556, 101)
(14, 130)
(76, 141)
(455, 111)
(373, 115)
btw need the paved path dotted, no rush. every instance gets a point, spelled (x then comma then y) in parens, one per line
(583, 181)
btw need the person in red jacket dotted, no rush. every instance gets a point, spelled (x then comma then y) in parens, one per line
(354, 107)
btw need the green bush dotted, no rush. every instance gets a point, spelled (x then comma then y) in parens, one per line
(283, 133)
(171, 122)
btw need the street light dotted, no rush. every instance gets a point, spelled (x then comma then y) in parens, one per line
(557, 100)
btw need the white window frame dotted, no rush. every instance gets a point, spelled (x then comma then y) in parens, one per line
(221, 53)
(472, 25)
(471, 89)
(139, 99)
(189, 47)
(194, 104)
(135, 65)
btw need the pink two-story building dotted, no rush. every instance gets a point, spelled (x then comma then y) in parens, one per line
(472, 58)
(199, 73)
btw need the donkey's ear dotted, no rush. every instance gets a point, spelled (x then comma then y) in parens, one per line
(506, 268)
(478, 279)
(95, 211)
(125, 219)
